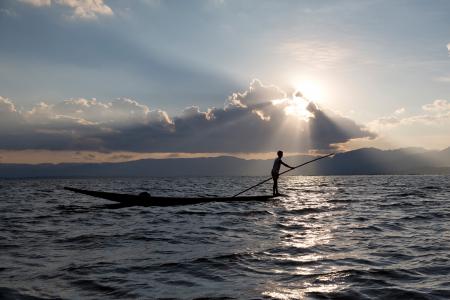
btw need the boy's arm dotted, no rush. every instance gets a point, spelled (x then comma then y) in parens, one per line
(286, 165)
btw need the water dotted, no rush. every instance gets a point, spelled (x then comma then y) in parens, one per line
(360, 237)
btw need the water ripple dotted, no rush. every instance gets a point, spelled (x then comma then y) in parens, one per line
(352, 237)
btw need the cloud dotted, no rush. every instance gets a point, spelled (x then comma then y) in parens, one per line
(6, 105)
(317, 53)
(400, 111)
(37, 2)
(90, 111)
(151, 3)
(433, 113)
(437, 106)
(9, 116)
(389, 121)
(445, 79)
(87, 9)
(448, 48)
(256, 94)
(83, 9)
(8, 12)
(255, 120)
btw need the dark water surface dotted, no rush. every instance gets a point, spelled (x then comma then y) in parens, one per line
(360, 237)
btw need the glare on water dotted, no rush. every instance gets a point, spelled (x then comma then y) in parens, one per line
(336, 237)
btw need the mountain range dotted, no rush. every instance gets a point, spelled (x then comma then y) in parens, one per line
(364, 161)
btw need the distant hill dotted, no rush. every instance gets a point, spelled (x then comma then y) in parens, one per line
(356, 162)
(376, 161)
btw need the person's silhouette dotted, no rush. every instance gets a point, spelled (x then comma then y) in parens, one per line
(276, 170)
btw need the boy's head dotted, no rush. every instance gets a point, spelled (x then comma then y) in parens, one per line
(280, 154)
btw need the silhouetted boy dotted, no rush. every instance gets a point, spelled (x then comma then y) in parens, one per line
(276, 170)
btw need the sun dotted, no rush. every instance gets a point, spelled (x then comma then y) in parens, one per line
(305, 93)
(298, 108)
(309, 90)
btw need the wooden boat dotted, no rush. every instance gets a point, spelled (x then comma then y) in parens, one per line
(144, 199)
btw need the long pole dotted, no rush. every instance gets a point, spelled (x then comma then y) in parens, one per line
(301, 165)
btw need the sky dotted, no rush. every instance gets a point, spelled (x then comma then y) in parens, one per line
(99, 80)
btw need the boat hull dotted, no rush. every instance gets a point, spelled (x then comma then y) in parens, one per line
(143, 200)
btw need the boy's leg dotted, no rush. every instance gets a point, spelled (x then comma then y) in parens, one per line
(275, 185)
(274, 188)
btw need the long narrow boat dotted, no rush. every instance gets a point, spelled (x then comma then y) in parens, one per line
(147, 200)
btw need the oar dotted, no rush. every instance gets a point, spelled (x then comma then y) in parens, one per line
(301, 165)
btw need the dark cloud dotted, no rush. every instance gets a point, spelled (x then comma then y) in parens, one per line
(257, 120)
(327, 129)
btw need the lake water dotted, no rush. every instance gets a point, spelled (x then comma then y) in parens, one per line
(360, 237)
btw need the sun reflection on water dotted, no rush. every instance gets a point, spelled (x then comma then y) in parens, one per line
(306, 227)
